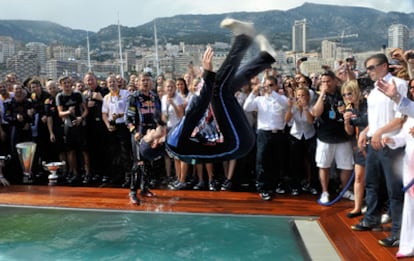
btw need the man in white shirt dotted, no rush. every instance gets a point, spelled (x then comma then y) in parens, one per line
(119, 139)
(270, 155)
(383, 120)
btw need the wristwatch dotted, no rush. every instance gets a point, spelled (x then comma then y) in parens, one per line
(396, 97)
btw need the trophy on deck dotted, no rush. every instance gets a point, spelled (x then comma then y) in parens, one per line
(53, 167)
(26, 152)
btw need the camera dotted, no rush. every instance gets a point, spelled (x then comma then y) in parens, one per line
(350, 59)
(354, 121)
(356, 117)
(353, 111)
(304, 59)
(410, 55)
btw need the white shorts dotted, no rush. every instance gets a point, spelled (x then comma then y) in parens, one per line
(342, 153)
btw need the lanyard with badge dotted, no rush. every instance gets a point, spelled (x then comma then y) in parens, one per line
(332, 113)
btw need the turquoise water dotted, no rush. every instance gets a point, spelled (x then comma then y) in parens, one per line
(61, 234)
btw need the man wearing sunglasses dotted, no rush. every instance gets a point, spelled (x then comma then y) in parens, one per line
(271, 108)
(333, 143)
(383, 120)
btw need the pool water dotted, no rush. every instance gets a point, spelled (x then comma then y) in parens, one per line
(69, 234)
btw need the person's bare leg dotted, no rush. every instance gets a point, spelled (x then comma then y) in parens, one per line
(324, 178)
(177, 165)
(87, 163)
(225, 167)
(359, 188)
(345, 175)
(184, 170)
(167, 161)
(199, 170)
(73, 165)
(210, 172)
(231, 168)
(62, 157)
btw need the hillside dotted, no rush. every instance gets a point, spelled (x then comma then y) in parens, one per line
(324, 21)
(40, 31)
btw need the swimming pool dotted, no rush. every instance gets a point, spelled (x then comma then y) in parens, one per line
(71, 234)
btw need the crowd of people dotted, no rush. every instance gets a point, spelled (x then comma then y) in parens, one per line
(311, 132)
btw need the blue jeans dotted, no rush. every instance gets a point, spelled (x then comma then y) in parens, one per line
(384, 162)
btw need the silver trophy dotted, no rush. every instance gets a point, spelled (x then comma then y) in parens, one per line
(53, 167)
(26, 152)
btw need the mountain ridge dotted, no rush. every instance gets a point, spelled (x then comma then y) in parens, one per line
(323, 21)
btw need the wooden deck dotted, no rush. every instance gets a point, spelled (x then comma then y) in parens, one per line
(350, 245)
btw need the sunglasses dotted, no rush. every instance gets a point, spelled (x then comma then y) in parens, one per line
(348, 94)
(373, 67)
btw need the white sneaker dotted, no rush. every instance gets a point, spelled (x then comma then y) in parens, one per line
(324, 198)
(385, 218)
(265, 46)
(238, 27)
(349, 195)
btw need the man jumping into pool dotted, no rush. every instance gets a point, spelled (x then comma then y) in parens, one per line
(218, 91)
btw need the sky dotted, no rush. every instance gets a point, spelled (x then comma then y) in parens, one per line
(93, 15)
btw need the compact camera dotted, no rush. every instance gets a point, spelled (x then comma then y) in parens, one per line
(355, 119)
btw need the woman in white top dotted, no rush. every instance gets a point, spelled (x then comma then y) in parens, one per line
(172, 109)
(302, 141)
(172, 104)
(182, 90)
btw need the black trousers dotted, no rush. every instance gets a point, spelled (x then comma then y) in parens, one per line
(270, 159)
(119, 148)
(219, 90)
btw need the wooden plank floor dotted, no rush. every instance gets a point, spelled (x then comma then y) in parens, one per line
(350, 245)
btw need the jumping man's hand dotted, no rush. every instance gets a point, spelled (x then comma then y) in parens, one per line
(208, 59)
